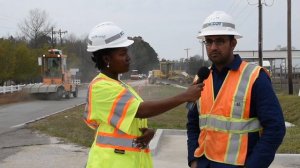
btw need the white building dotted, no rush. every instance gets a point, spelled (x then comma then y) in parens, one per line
(277, 58)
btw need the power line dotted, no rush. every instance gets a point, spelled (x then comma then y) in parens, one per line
(60, 32)
(266, 4)
(9, 18)
(249, 3)
(242, 10)
(260, 27)
(245, 18)
(233, 7)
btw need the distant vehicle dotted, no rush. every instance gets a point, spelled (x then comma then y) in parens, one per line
(56, 78)
(166, 73)
(134, 75)
(142, 76)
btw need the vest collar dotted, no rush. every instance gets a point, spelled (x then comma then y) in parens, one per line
(234, 65)
(101, 75)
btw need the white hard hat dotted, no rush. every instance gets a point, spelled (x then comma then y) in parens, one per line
(107, 35)
(218, 23)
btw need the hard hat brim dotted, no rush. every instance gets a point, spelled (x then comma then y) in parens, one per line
(217, 33)
(126, 43)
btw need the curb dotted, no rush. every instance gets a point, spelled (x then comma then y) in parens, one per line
(155, 142)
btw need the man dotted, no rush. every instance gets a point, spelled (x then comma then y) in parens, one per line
(238, 121)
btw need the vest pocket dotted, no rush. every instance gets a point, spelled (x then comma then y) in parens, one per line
(238, 107)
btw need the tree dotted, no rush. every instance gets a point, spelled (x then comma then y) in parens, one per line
(27, 68)
(143, 56)
(194, 63)
(7, 60)
(36, 27)
(78, 57)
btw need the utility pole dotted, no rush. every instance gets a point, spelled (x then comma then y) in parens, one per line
(187, 52)
(289, 47)
(52, 34)
(187, 60)
(260, 41)
(60, 33)
(202, 44)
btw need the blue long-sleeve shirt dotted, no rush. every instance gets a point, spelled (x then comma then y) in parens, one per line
(264, 105)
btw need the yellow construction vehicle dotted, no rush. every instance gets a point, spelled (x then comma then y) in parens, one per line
(167, 74)
(57, 81)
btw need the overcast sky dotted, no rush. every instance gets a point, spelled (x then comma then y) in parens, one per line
(169, 26)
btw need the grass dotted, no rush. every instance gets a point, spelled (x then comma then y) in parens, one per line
(69, 125)
(291, 111)
(175, 118)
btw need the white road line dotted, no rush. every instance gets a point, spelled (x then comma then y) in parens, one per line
(31, 121)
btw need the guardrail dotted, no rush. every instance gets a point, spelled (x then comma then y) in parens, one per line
(10, 89)
(16, 88)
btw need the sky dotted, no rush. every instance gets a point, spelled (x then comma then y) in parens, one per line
(169, 26)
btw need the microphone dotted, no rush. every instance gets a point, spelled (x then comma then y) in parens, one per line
(202, 74)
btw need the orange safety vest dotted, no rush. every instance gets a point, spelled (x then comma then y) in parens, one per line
(224, 121)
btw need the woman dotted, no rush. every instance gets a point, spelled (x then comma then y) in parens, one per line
(116, 110)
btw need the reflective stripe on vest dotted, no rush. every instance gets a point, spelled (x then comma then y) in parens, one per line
(241, 91)
(119, 108)
(229, 125)
(124, 142)
(233, 148)
(119, 141)
(87, 111)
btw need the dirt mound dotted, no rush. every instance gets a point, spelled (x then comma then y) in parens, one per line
(15, 97)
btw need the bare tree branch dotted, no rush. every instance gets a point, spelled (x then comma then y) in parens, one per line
(36, 25)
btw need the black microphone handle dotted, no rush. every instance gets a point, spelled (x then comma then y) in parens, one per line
(202, 74)
(190, 105)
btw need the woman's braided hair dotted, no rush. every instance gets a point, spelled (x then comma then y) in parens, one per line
(98, 57)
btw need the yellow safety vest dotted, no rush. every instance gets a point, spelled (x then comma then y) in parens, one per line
(225, 120)
(111, 109)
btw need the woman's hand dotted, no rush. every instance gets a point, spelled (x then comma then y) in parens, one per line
(144, 140)
(193, 92)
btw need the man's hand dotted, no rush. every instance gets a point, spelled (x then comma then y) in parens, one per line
(194, 164)
(144, 140)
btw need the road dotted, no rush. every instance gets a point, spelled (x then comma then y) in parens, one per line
(15, 115)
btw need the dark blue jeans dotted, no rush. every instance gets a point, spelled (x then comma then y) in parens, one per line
(203, 162)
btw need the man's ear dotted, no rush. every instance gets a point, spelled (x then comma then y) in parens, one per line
(233, 43)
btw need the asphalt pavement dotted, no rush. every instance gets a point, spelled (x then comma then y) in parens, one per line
(18, 114)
